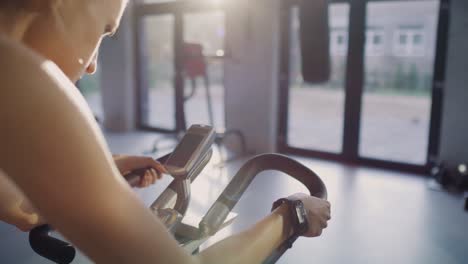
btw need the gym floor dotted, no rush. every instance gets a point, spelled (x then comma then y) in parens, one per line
(377, 216)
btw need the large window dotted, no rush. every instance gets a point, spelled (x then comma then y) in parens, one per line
(181, 53)
(397, 99)
(157, 35)
(208, 30)
(316, 111)
(377, 106)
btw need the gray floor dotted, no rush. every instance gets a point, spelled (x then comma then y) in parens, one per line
(378, 216)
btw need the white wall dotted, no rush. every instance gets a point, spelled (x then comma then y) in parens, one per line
(118, 78)
(251, 72)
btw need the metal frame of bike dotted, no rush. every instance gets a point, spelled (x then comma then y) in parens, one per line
(177, 9)
(354, 83)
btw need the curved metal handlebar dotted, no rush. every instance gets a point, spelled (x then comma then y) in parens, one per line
(217, 214)
(215, 217)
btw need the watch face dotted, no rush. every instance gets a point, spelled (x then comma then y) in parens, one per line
(300, 216)
(300, 212)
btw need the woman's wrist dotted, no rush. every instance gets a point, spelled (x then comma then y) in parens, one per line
(284, 214)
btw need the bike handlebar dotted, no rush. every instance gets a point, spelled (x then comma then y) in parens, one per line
(62, 252)
(239, 183)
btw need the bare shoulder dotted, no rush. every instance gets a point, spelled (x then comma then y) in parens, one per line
(18, 64)
(39, 104)
(29, 80)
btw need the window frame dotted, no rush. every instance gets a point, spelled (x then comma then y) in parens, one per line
(354, 90)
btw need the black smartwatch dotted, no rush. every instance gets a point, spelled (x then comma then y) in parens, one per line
(298, 215)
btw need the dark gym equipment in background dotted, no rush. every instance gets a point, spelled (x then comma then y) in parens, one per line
(195, 66)
(451, 177)
(189, 63)
(315, 44)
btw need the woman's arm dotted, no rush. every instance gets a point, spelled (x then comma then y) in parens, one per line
(254, 244)
(127, 164)
(55, 152)
(17, 210)
(259, 241)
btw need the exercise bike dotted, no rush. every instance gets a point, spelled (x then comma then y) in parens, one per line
(185, 164)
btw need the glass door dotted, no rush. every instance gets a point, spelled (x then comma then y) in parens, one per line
(157, 71)
(316, 112)
(399, 65)
(206, 105)
(382, 105)
(168, 101)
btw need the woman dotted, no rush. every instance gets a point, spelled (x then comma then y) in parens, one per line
(51, 144)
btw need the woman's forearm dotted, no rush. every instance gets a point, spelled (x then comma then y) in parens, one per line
(254, 244)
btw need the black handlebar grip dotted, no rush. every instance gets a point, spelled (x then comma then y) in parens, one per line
(50, 247)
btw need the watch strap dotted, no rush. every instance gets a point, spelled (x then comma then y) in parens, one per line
(295, 207)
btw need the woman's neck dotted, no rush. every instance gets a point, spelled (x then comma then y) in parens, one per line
(15, 26)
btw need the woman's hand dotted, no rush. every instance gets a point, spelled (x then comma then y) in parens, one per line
(318, 212)
(22, 215)
(15, 208)
(127, 164)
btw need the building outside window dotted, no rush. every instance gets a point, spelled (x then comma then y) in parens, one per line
(409, 42)
(339, 42)
(375, 42)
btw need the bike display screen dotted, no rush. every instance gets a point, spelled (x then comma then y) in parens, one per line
(185, 150)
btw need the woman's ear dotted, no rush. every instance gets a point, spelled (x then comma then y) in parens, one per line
(92, 67)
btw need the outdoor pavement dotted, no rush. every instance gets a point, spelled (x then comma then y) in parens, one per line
(393, 127)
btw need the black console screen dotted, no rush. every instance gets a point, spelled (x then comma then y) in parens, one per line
(184, 150)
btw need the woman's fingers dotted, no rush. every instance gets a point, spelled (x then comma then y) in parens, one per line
(150, 177)
(146, 180)
(24, 221)
(154, 175)
(155, 165)
(153, 169)
(324, 224)
(316, 232)
(126, 164)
